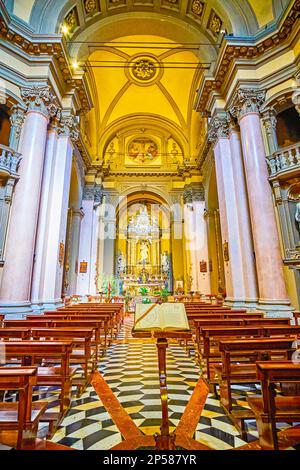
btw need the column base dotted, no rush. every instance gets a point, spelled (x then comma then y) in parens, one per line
(41, 306)
(249, 304)
(276, 308)
(16, 310)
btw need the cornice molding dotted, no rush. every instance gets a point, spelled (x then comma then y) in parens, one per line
(45, 45)
(245, 50)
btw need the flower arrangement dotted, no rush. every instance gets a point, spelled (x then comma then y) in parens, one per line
(163, 295)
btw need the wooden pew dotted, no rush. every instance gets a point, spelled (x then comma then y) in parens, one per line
(19, 420)
(117, 314)
(236, 322)
(42, 322)
(82, 353)
(296, 317)
(116, 309)
(15, 333)
(269, 408)
(33, 352)
(206, 355)
(230, 373)
(105, 321)
(215, 333)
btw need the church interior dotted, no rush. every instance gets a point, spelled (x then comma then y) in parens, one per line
(149, 225)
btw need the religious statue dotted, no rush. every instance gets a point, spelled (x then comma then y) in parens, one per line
(297, 215)
(165, 262)
(144, 252)
(121, 264)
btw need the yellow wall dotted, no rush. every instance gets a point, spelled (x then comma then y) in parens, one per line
(263, 10)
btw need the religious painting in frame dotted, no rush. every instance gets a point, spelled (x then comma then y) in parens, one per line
(226, 252)
(203, 266)
(83, 267)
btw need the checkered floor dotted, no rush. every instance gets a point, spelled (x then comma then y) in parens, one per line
(130, 369)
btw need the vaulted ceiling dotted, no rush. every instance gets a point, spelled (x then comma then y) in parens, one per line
(144, 60)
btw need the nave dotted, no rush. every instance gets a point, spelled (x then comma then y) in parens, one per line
(130, 372)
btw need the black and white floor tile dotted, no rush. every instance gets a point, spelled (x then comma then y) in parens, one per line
(130, 369)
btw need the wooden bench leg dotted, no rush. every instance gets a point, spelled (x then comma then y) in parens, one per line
(225, 393)
(65, 400)
(268, 439)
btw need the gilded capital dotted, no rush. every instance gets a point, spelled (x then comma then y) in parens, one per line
(40, 99)
(219, 127)
(247, 100)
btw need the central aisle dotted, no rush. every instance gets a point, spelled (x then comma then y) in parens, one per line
(130, 370)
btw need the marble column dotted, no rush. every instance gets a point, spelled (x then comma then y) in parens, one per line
(245, 230)
(201, 242)
(19, 254)
(269, 120)
(55, 234)
(239, 268)
(44, 212)
(272, 291)
(77, 215)
(190, 240)
(223, 221)
(109, 237)
(88, 246)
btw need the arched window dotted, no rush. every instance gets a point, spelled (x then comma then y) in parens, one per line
(4, 126)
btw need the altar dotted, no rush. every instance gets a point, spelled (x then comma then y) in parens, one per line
(142, 257)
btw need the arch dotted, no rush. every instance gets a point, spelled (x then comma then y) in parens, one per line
(280, 100)
(131, 122)
(147, 189)
(238, 15)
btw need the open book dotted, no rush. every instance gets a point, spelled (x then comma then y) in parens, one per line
(164, 317)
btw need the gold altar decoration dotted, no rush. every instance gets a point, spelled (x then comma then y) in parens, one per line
(140, 261)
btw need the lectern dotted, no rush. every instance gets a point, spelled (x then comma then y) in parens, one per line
(165, 440)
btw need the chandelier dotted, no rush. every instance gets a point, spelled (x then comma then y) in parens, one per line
(141, 227)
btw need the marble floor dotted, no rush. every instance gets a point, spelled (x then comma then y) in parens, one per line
(123, 401)
(130, 370)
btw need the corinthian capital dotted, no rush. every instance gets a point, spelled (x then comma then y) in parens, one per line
(269, 120)
(219, 127)
(17, 119)
(245, 101)
(40, 99)
(68, 126)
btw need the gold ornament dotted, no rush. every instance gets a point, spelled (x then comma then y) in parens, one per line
(215, 24)
(90, 6)
(197, 7)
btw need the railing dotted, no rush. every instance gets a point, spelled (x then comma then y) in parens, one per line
(9, 160)
(286, 159)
